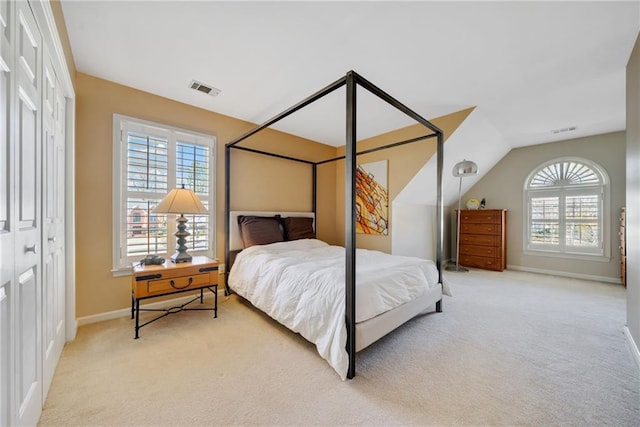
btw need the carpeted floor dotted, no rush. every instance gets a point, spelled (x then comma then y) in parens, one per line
(510, 348)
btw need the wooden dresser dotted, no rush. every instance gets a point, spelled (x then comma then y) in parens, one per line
(483, 242)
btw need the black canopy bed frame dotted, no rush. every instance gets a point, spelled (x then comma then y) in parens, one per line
(351, 80)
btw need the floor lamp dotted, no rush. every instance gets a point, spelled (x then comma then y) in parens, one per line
(460, 170)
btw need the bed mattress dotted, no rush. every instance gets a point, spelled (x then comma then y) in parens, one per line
(301, 285)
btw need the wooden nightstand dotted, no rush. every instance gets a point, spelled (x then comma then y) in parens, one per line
(150, 281)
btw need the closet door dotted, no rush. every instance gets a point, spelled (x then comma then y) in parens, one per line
(53, 155)
(6, 209)
(28, 233)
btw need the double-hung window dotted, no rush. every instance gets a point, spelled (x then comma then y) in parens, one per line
(566, 206)
(149, 161)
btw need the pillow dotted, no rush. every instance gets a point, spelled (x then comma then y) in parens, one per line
(298, 228)
(260, 230)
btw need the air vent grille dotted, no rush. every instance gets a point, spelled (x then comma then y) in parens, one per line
(562, 130)
(204, 88)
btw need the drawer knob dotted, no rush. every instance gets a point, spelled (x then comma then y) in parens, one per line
(174, 286)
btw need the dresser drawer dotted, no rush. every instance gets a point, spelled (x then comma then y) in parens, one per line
(484, 251)
(472, 228)
(481, 216)
(481, 262)
(480, 239)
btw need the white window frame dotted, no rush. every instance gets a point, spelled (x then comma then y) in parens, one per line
(602, 190)
(121, 265)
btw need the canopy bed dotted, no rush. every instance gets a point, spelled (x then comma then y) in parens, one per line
(293, 253)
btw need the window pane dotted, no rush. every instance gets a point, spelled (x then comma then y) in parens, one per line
(192, 167)
(198, 226)
(581, 213)
(585, 207)
(199, 229)
(563, 173)
(147, 159)
(582, 234)
(545, 208)
(192, 170)
(146, 231)
(547, 233)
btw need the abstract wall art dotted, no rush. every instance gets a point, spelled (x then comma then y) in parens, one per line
(372, 198)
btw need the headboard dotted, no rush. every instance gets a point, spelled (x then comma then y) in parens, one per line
(235, 241)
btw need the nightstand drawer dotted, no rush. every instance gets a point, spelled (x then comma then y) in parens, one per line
(177, 283)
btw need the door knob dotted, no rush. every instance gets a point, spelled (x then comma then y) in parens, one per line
(33, 249)
(52, 239)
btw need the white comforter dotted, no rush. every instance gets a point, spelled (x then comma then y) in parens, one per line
(301, 285)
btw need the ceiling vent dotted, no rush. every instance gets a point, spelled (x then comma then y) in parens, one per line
(569, 129)
(204, 88)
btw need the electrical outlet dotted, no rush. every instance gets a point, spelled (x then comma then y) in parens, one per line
(221, 269)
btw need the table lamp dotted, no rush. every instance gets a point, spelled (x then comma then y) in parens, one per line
(181, 201)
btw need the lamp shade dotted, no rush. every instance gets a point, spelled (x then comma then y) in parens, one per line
(465, 168)
(181, 201)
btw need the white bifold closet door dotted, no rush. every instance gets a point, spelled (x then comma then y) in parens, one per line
(6, 208)
(27, 292)
(32, 228)
(53, 202)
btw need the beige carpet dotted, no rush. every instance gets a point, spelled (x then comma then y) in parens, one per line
(510, 348)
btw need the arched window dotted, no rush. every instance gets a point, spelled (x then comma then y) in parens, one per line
(566, 208)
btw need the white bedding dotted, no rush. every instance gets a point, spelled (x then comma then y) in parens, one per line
(301, 285)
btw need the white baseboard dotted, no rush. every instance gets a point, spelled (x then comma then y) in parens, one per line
(71, 330)
(615, 280)
(632, 345)
(110, 315)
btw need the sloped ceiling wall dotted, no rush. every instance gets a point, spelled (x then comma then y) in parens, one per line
(476, 139)
(413, 222)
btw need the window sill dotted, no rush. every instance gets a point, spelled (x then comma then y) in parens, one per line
(581, 257)
(126, 271)
(121, 272)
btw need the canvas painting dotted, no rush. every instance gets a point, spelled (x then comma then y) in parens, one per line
(372, 198)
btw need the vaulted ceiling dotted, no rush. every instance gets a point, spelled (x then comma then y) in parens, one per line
(532, 68)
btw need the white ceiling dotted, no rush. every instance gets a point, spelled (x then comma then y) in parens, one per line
(530, 66)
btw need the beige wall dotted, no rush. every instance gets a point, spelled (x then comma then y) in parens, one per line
(633, 194)
(503, 187)
(404, 162)
(258, 182)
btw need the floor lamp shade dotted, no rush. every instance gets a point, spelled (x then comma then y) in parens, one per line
(465, 168)
(460, 170)
(181, 201)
